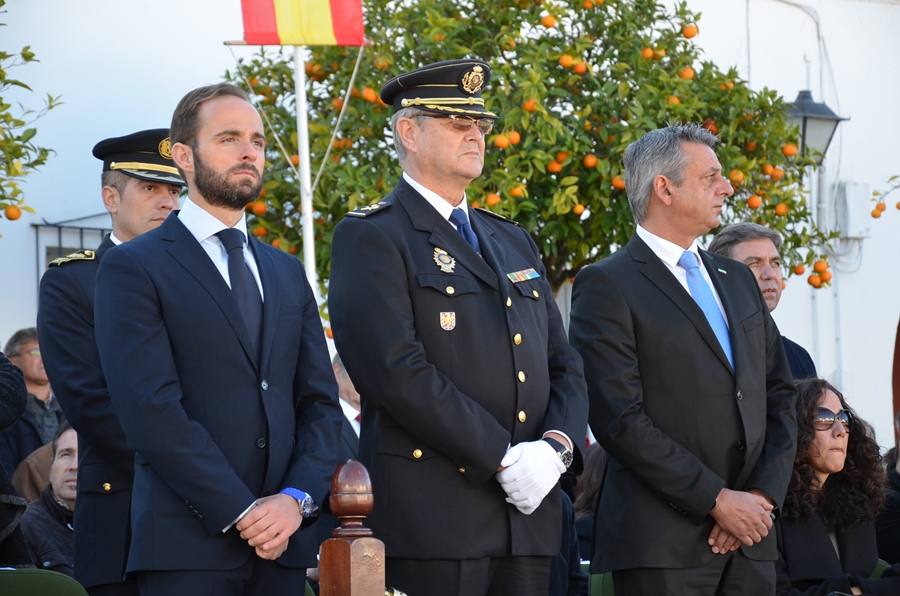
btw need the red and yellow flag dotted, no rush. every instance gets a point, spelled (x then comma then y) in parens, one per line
(303, 22)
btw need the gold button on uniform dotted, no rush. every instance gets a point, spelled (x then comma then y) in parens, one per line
(522, 416)
(107, 486)
(462, 470)
(521, 377)
(536, 295)
(450, 290)
(517, 338)
(509, 301)
(417, 453)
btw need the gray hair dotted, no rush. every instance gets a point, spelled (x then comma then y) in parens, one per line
(659, 153)
(14, 345)
(725, 241)
(403, 113)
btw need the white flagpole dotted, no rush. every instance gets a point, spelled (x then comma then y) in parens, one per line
(309, 255)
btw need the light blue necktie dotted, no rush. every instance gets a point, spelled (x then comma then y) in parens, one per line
(704, 298)
(459, 219)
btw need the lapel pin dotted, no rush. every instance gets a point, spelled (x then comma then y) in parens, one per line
(722, 271)
(443, 260)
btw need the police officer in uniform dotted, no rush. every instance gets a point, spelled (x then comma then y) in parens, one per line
(474, 404)
(140, 187)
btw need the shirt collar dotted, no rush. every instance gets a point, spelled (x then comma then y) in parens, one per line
(437, 201)
(202, 224)
(115, 240)
(668, 252)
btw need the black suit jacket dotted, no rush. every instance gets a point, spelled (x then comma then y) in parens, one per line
(105, 461)
(213, 429)
(678, 422)
(801, 363)
(454, 366)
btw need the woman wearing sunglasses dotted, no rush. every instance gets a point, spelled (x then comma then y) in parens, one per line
(826, 533)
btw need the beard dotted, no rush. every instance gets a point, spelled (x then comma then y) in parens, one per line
(219, 192)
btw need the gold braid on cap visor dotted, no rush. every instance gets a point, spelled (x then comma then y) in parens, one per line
(137, 165)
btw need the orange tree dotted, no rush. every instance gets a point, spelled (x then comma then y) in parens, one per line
(575, 82)
(19, 156)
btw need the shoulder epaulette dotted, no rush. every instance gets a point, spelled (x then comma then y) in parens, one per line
(500, 217)
(81, 255)
(369, 209)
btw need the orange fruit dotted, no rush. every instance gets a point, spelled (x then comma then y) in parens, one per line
(618, 182)
(578, 209)
(530, 105)
(258, 208)
(588, 4)
(777, 174)
(826, 276)
(516, 191)
(354, 92)
(781, 209)
(562, 156)
(800, 269)
(276, 243)
(295, 160)
(898, 204)
(338, 103)
(476, 205)
(548, 21)
(789, 150)
(783, 283)
(660, 53)
(262, 193)
(750, 145)
(12, 212)
(253, 82)
(710, 125)
(820, 266)
(673, 100)
(369, 94)
(754, 202)
(566, 60)
(881, 206)
(590, 160)
(686, 73)
(492, 199)
(730, 85)
(767, 169)
(438, 37)
(690, 31)
(329, 333)
(814, 280)
(259, 231)
(554, 167)
(736, 176)
(876, 213)
(501, 141)
(647, 53)
(514, 137)
(581, 68)
(292, 250)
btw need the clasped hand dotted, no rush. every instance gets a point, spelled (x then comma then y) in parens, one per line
(741, 518)
(269, 524)
(530, 471)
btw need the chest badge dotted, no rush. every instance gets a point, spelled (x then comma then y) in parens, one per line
(448, 321)
(443, 260)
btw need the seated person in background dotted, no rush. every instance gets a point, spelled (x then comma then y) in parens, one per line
(47, 522)
(887, 526)
(13, 399)
(826, 533)
(33, 473)
(587, 493)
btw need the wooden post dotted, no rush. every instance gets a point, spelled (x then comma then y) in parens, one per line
(351, 562)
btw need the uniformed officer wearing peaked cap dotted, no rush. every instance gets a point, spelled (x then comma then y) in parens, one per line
(474, 404)
(140, 187)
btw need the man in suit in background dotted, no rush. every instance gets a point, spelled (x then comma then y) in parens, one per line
(445, 321)
(757, 247)
(140, 187)
(217, 368)
(690, 391)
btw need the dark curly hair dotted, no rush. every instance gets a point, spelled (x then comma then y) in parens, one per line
(853, 496)
(590, 483)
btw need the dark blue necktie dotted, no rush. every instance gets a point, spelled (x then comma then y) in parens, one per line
(704, 298)
(243, 284)
(459, 219)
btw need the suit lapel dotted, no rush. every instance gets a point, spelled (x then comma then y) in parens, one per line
(185, 249)
(494, 253)
(271, 302)
(425, 218)
(657, 272)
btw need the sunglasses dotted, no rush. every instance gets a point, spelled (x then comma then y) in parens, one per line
(825, 419)
(464, 123)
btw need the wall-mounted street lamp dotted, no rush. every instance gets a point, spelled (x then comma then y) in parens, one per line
(817, 123)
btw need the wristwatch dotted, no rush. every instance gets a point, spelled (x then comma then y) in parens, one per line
(565, 454)
(308, 507)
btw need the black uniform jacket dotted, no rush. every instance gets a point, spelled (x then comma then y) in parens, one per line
(105, 462)
(213, 426)
(455, 362)
(678, 421)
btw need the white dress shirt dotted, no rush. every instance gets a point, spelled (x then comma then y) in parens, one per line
(351, 413)
(439, 202)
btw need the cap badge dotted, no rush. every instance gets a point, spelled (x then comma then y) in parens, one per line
(443, 260)
(165, 148)
(448, 321)
(473, 80)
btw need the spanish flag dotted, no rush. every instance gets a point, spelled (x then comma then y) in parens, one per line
(303, 22)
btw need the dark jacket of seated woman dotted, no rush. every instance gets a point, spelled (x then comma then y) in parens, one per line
(826, 533)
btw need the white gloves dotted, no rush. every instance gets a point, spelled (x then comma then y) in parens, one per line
(531, 470)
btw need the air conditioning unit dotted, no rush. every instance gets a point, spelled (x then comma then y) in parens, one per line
(853, 209)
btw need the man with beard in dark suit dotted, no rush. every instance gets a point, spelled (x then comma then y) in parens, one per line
(474, 403)
(140, 188)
